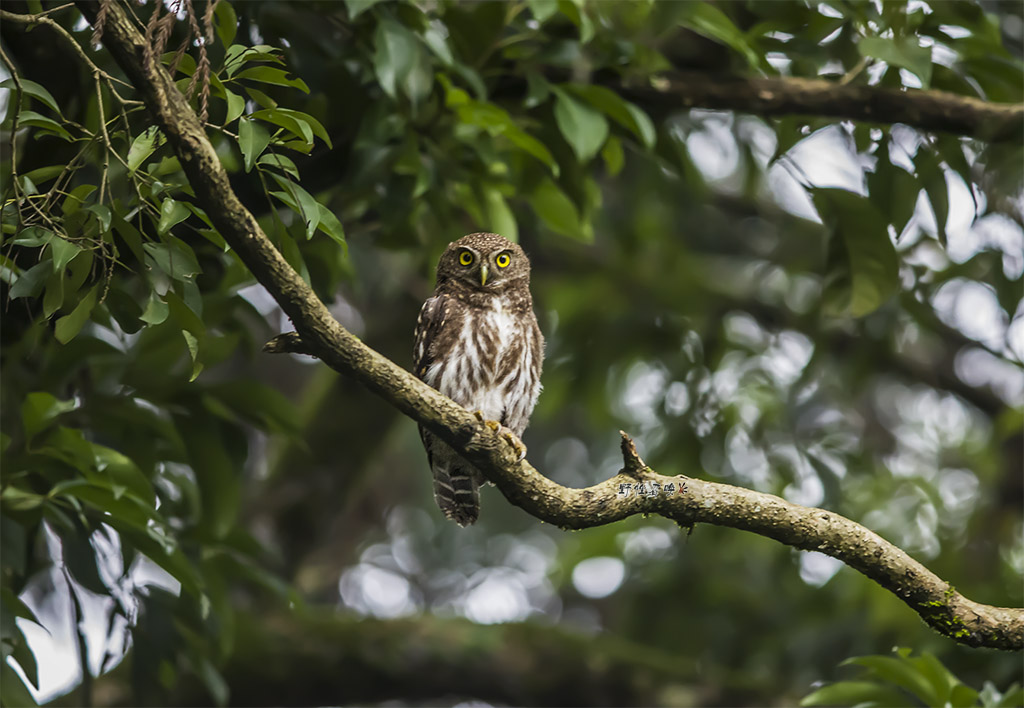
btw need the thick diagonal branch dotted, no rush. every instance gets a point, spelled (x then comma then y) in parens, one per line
(692, 501)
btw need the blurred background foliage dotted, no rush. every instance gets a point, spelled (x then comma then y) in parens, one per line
(814, 308)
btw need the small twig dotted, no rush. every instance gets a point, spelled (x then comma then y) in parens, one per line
(18, 94)
(288, 343)
(634, 466)
(855, 71)
(41, 19)
(106, 139)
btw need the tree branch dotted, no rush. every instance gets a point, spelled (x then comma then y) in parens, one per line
(693, 501)
(925, 110)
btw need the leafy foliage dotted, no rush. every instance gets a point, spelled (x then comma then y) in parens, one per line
(703, 280)
(902, 679)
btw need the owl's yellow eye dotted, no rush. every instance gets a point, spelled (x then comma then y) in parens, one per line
(466, 258)
(502, 260)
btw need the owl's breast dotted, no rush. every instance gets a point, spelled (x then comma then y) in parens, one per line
(490, 366)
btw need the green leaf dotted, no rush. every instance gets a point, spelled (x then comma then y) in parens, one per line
(63, 251)
(212, 680)
(76, 198)
(852, 693)
(618, 109)
(301, 201)
(227, 23)
(26, 659)
(900, 672)
(33, 236)
(330, 225)
(172, 213)
(941, 679)
(102, 214)
(42, 175)
(435, 38)
(400, 60)
(870, 261)
(161, 550)
(39, 409)
(575, 10)
(280, 162)
(31, 118)
(706, 19)
(542, 10)
(394, 56)
(13, 691)
(192, 342)
(613, 156)
(893, 190)
(122, 471)
(13, 606)
(144, 144)
(298, 127)
(1013, 696)
(317, 127)
(932, 175)
(272, 75)
(557, 211)
(15, 499)
(30, 282)
(218, 479)
(253, 139)
(582, 127)
(500, 218)
(236, 106)
(156, 310)
(537, 90)
(34, 90)
(238, 55)
(260, 98)
(358, 7)
(53, 294)
(904, 52)
(175, 259)
(71, 324)
(259, 403)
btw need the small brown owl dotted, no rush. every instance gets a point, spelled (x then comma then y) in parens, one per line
(477, 342)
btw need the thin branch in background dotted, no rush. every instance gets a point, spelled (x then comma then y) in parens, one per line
(16, 107)
(107, 147)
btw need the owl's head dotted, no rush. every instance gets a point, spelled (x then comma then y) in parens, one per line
(484, 261)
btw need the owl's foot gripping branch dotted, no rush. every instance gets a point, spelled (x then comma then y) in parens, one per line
(320, 335)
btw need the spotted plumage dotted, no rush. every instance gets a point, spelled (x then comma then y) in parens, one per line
(477, 342)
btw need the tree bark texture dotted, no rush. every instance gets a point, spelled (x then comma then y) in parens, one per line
(924, 110)
(692, 500)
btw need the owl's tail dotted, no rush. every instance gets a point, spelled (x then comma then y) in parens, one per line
(456, 491)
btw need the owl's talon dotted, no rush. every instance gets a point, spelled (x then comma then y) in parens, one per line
(479, 415)
(516, 444)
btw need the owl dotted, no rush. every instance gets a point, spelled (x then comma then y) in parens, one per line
(477, 342)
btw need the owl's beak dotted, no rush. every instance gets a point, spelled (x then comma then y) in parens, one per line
(483, 274)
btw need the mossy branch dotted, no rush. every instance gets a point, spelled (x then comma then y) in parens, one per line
(692, 500)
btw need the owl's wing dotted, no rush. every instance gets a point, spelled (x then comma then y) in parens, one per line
(427, 327)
